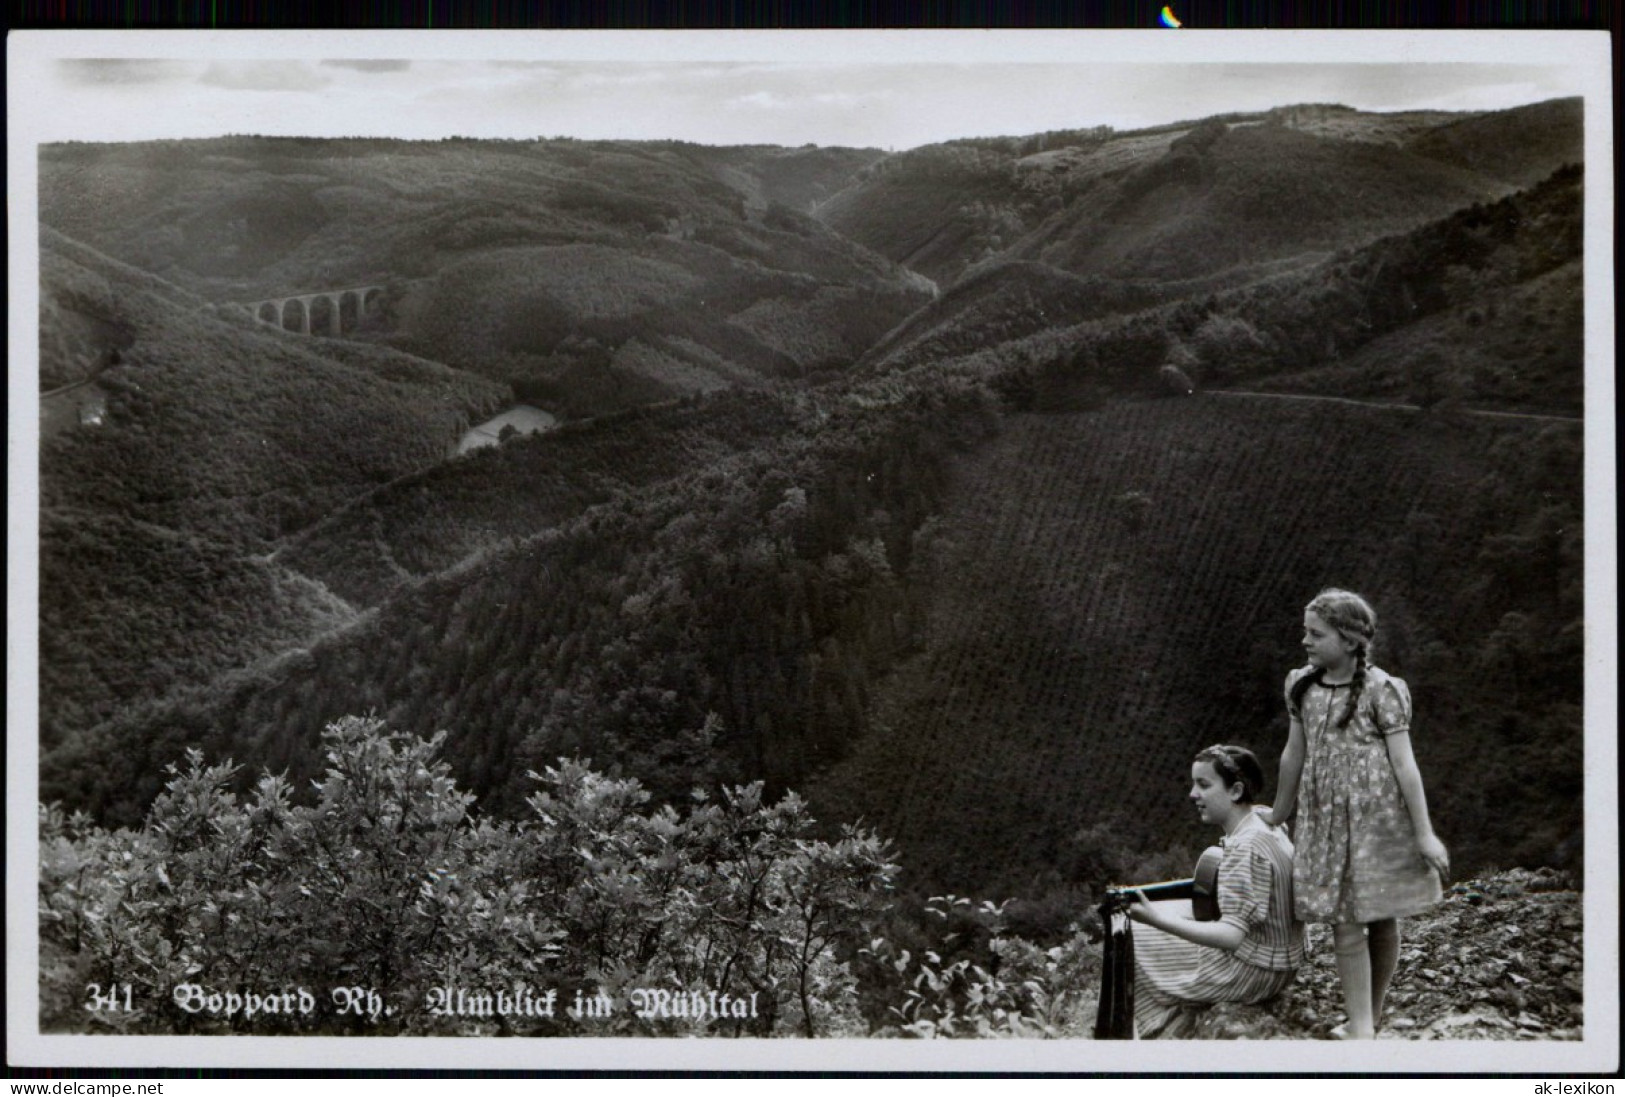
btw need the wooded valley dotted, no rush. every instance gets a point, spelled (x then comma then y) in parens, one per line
(875, 559)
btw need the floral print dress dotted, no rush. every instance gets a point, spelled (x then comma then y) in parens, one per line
(1357, 858)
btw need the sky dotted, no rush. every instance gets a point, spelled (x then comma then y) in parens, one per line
(891, 90)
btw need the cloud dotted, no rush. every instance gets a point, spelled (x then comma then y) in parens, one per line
(767, 100)
(90, 72)
(521, 64)
(801, 100)
(371, 66)
(627, 76)
(849, 98)
(264, 76)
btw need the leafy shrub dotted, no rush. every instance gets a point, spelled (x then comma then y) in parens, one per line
(993, 983)
(386, 880)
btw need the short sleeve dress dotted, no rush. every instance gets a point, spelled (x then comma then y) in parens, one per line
(1255, 895)
(1357, 858)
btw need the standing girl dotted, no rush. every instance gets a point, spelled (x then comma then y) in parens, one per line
(1366, 852)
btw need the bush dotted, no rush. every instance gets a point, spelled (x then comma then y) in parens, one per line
(386, 890)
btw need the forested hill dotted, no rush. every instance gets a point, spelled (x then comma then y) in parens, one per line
(593, 276)
(219, 438)
(1483, 306)
(1238, 194)
(953, 564)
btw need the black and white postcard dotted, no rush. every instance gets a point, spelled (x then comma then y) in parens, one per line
(752, 551)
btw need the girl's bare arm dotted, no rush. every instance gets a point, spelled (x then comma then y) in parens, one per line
(1220, 935)
(1286, 785)
(1403, 759)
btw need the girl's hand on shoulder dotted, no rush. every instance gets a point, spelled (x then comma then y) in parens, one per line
(1268, 815)
(1434, 853)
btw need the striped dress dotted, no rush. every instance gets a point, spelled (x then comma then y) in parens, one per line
(1255, 895)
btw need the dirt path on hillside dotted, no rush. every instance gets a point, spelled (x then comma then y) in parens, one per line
(1389, 405)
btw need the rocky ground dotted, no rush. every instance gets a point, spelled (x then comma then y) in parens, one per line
(1499, 959)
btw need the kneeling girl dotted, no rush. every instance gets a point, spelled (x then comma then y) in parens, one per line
(1249, 954)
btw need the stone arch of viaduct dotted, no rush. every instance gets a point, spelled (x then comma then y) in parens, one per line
(332, 312)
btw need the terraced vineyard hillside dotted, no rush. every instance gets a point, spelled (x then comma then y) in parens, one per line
(1110, 592)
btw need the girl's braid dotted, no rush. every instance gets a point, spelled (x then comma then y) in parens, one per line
(1301, 687)
(1352, 616)
(1356, 687)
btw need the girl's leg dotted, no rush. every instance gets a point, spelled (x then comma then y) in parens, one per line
(1164, 966)
(1354, 968)
(1384, 941)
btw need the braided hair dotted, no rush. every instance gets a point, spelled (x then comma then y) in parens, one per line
(1355, 620)
(1236, 764)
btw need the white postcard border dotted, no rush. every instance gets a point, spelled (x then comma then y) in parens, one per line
(31, 122)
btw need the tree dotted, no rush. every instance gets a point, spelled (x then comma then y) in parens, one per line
(1228, 347)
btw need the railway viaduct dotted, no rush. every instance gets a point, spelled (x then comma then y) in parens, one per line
(330, 312)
